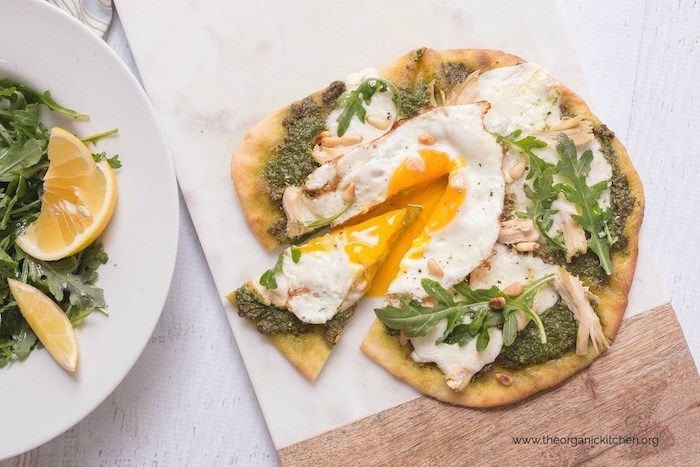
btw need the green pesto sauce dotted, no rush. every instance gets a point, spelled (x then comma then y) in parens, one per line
(586, 266)
(269, 319)
(414, 99)
(452, 74)
(291, 161)
(621, 199)
(418, 56)
(334, 327)
(561, 329)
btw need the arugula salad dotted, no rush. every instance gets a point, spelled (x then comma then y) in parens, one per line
(70, 281)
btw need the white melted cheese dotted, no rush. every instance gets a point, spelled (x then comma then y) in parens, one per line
(315, 288)
(522, 97)
(508, 266)
(459, 364)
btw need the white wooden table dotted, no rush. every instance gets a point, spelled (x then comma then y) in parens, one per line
(642, 62)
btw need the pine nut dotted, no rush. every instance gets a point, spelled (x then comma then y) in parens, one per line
(330, 141)
(435, 268)
(514, 289)
(380, 123)
(320, 136)
(497, 303)
(349, 140)
(518, 169)
(524, 247)
(505, 380)
(426, 139)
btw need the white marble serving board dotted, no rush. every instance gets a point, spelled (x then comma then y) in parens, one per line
(212, 69)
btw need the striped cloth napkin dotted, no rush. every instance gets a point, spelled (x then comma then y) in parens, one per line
(95, 14)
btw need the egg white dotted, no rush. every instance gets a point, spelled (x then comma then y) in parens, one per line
(315, 288)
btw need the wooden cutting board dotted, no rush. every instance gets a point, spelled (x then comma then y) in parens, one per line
(645, 387)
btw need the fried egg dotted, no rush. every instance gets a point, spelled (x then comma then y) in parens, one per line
(448, 141)
(333, 271)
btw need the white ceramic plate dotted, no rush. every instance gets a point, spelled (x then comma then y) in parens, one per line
(48, 49)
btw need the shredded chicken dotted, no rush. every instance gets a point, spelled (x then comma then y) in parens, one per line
(574, 238)
(576, 128)
(295, 210)
(466, 92)
(574, 235)
(518, 230)
(574, 294)
(481, 272)
(458, 378)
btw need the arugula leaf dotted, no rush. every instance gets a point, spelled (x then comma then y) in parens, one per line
(78, 315)
(329, 220)
(96, 137)
(267, 279)
(413, 318)
(592, 218)
(526, 145)
(24, 341)
(18, 156)
(355, 101)
(416, 319)
(45, 98)
(483, 340)
(510, 330)
(113, 161)
(59, 279)
(542, 192)
(90, 259)
(438, 292)
(296, 254)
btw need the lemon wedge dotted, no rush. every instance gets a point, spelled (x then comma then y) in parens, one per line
(78, 201)
(49, 323)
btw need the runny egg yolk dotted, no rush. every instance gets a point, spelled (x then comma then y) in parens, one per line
(446, 209)
(427, 197)
(366, 243)
(420, 182)
(429, 165)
